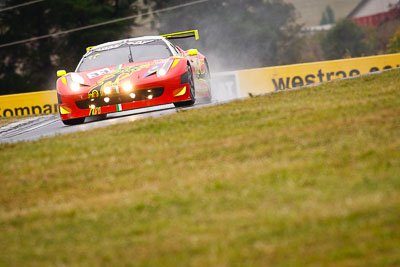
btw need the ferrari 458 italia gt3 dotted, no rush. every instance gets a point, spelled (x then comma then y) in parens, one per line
(133, 73)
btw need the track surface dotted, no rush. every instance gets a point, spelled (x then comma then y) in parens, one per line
(51, 125)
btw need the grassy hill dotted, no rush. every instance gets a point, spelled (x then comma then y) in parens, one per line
(310, 11)
(308, 177)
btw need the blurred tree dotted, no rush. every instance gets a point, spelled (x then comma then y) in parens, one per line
(384, 33)
(31, 66)
(238, 34)
(235, 34)
(394, 43)
(312, 50)
(344, 40)
(324, 19)
(328, 16)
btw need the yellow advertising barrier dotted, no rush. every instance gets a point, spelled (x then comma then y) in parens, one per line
(264, 80)
(44, 102)
(254, 81)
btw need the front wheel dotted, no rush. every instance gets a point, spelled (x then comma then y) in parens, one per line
(74, 121)
(192, 91)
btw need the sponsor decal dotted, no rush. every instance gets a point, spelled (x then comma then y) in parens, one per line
(29, 110)
(95, 111)
(98, 73)
(131, 42)
(141, 42)
(153, 70)
(133, 69)
(176, 61)
(318, 77)
(94, 56)
(264, 80)
(93, 93)
(113, 79)
(201, 67)
(119, 107)
(107, 47)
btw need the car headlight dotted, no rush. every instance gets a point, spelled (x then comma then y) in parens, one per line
(77, 78)
(165, 68)
(75, 86)
(75, 81)
(107, 90)
(127, 86)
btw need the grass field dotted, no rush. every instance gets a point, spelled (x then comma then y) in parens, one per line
(308, 177)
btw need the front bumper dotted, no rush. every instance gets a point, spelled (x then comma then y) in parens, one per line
(162, 91)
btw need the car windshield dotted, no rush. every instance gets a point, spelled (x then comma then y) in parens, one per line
(120, 54)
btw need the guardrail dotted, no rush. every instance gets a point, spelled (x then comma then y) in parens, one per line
(232, 85)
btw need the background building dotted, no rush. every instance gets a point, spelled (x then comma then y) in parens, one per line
(375, 12)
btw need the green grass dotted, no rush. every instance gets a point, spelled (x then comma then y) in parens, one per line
(308, 177)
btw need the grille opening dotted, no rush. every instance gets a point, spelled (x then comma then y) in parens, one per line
(120, 98)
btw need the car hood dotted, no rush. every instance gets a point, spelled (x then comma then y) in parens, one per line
(114, 75)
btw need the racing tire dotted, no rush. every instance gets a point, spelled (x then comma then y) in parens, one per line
(192, 91)
(74, 121)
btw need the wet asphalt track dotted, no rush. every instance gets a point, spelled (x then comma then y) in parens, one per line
(46, 126)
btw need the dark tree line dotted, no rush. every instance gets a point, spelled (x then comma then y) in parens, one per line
(31, 66)
(346, 39)
(235, 34)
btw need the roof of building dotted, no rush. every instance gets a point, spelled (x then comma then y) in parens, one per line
(357, 8)
(363, 4)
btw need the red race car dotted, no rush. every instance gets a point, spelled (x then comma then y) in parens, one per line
(133, 73)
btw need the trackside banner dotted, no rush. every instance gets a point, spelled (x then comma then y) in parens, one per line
(264, 80)
(44, 102)
(230, 85)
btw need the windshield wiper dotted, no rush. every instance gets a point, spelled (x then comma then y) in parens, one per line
(130, 54)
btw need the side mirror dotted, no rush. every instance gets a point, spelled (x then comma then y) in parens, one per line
(193, 52)
(61, 73)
